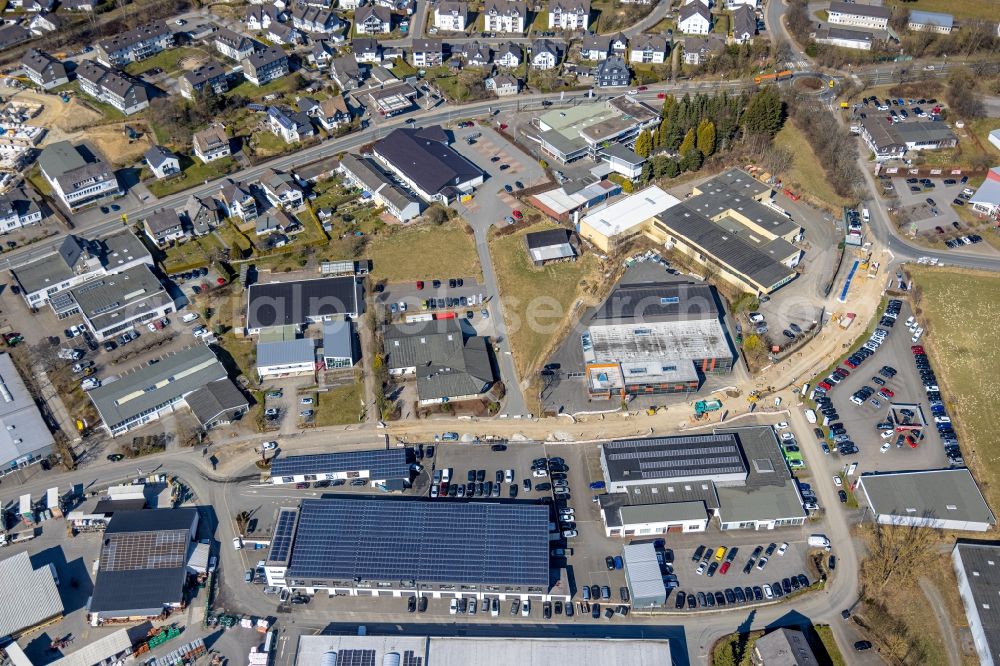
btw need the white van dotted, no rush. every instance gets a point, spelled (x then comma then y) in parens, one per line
(853, 468)
(819, 541)
(810, 416)
(189, 317)
(864, 214)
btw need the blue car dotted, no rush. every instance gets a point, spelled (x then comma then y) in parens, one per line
(619, 563)
(597, 485)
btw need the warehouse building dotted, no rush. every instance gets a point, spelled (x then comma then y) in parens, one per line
(679, 459)
(658, 508)
(25, 438)
(586, 129)
(368, 650)
(946, 499)
(617, 223)
(376, 547)
(977, 568)
(424, 160)
(286, 358)
(31, 598)
(651, 338)
(143, 563)
(340, 345)
(566, 202)
(302, 302)
(642, 573)
(375, 466)
(185, 378)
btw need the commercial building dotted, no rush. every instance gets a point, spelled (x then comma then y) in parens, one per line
(76, 260)
(622, 160)
(977, 568)
(376, 466)
(43, 70)
(115, 303)
(858, 15)
(652, 338)
(302, 302)
(617, 223)
(392, 99)
(642, 573)
(286, 358)
(340, 345)
(946, 499)
(135, 45)
(783, 647)
(112, 87)
(566, 202)
(921, 21)
(545, 247)
(583, 130)
(25, 438)
(987, 197)
(30, 596)
(142, 568)
(372, 547)
(845, 38)
(895, 140)
(448, 366)
(319, 650)
(365, 174)
(143, 394)
(677, 484)
(77, 182)
(424, 160)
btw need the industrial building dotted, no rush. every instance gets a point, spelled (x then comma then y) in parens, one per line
(340, 345)
(375, 466)
(322, 650)
(583, 130)
(25, 438)
(378, 547)
(652, 338)
(302, 302)
(946, 499)
(553, 245)
(277, 359)
(424, 160)
(679, 483)
(192, 376)
(565, 202)
(31, 597)
(643, 575)
(977, 568)
(142, 568)
(611, 226)
(860, 15)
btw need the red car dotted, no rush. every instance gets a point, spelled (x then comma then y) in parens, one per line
(841, 372)
(850, 364)
(503, 126)
(642, 88)
(724, 568)
(826, 386)
(661, 95)
(886, 393)
(917, 349)
(517, 215)
(420, 284)
(912, 442)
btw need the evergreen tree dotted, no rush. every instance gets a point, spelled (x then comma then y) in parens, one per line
(691, 160)
(688, 144)
(672, 169)
(644, 144)
(706, 137)
(764, 113)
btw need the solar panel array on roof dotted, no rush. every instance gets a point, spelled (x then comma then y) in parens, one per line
(284, 533)
(411, 659)
(356, 658)
(144, 550)
(381, 464)
(348, 539)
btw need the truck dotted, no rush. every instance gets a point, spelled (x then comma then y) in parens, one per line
(819, 541)
(847, 320)
(705, 406)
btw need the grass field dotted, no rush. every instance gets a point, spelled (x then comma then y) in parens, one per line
(423, 252)
(960, 309)
(194, 172)
(168, 61)
(194, 253)
(340, 405)
(536, 301)
(826, 637)
(960, 9)
(807, 172)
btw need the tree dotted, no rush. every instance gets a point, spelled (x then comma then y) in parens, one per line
(691, 160)
(706, 137)
(688, 143)
(765, 112)
(644, 144)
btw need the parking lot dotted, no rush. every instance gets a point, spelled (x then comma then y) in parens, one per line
(409, 298)
(929, 210)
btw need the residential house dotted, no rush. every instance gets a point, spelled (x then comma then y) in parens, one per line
(733, 4)
(507, 16)
(135, 45)
(74, 180)
(260, 17)
(322, 4)
(11, 35)
(744, 22)
(200, 214)
(321, 53)
(38, 6)
(372, 20)
(569, 14)
(545, 54)
(43, 70)
(315, 20)
(211, 144)
(280, 33)
(209, 75)
(112, 87)
(281, 190)
(265, 66)
(236, 200)
(366, 49)
(331, 113)
(612, 73)
(164, 227)
(427, 52)
(451, 16)
(699, 49)
(275, 223)
(858, 15)
(695, 18)
(476, 54)
(921, 21)
(509, 55)
(346, 73)
(234, 45)
(18, 209)
(349, 5)
(77, 5)
(503, 85)
(365, 174)
(649, 49)
(595, 47)
(292, 126)
(46, 22)
(162, 162)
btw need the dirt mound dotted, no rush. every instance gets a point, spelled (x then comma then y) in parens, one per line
(114, 144)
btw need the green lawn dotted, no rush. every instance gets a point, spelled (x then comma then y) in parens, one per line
(195, 172)
(826, 637)
(985, 10)
(109, 112)
(807, 174)
(192, 254)
(541, 22)
(37, 180)
(402, 69)
(340, 405)
(423, 252)
(721, 26)
(168, 61)
(285, 85)
(267, 143)
(536, 301)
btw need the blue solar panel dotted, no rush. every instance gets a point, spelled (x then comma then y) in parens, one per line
(382, 463)
(284, 534)
(474, 543)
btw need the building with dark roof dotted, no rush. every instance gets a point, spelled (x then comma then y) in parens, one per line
(264, 66)
(783, 647)
(946, 499)
(375, 466)
(612, 73)
(366, 174)
(112, 87)
(217, 403)
(424, 160)
(977, 568)
(143, 563)
(43, 70)
(301, 302)
(18, 208)
(77, 181)
(209, 75)
(549, 246)
(744, 24)
(162, 162)
(368, 547)
(372, 20)
(893, 141)
(135, 45)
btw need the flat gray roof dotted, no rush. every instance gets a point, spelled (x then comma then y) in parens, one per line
(60, 157)
(29, 597)
(338, 339)
(651, 459)
(939, 494)
(659, 513)
(22, 428)
(981, 565)
(285, 352)
(644, 302)
(120, 297)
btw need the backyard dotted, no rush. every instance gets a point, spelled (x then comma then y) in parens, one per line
(194, 172)
(170, 61)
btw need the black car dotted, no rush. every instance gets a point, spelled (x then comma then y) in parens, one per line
(422, 604)
(623, 594)
(481, 475)
(720, 599)
(862, 646)
(740, 597)
(547, 610)
(709, 600)
(748, 593)
(819, 433)
(498, 447)
(115, 457)
(730, 596)
(110, 345)
(702, 602)
(595, 611)
(698, 553)
(803, 581)
(692, 601)
(681, 599)
(609, 562)
(411, 605)
(776, 588)
(786, 585)
(843, 496)
(758, 593)
(595, 591)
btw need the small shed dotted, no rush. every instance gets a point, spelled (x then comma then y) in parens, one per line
(642, 572)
